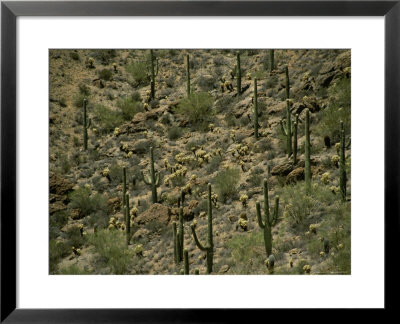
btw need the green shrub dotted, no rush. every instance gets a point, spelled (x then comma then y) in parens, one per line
(226, 184)
(197, 108)
(107, 119)
(112, 250)
(129, 107)
(105, 75)
(174, 133)
(86, 202)
(77, 99)
(139, 73)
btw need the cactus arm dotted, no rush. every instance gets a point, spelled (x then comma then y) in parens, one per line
(156, 74)
(275, 212)
(289, 132)
(196, 240)
(258, 212)
(85, 135)
(89, 123)
(157, 183)
(342, 163)
(284, 132)
(145, 179)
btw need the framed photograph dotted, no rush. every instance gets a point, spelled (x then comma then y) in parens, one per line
(162, 159)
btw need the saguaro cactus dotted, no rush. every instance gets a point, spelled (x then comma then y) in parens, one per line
(188, 74)
(153, 178)
(287, 131)
(123, 186)
(127, 220)
(287, 83)
(255, 110)
(269, 220)
(307, 170)
(296, 122)
(153, 74)
(342, 163)
(238, 75)
(178, 238)
(86, 125)
(210, 245)
(271, 60)
(186, 261)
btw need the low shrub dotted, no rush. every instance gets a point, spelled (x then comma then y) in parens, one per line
(226, 184)
(112, 250)
(197, 108)
(129, 107)
(86, 202)
(107, 119)
(138, 71)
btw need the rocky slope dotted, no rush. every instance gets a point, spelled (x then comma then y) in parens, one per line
(208, 139)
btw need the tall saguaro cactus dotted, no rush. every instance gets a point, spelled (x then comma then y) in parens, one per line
(287, 83)
(255, 110)
(210, 245)
(178, 238)
(188, 74)
(127, 220)
(342, 163)
(269, 220)
(153, 74)
(238, 74)
(123, 186)
(86, 125)
(287, 131)
(307, 170)
(296, 122)
(271, 60)
(153, 178)
(186, 261)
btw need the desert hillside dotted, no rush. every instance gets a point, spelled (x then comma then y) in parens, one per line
(200, 161)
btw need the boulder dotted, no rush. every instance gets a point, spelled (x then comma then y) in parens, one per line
(155, 212)
(59, 185)
(294, 176)
(282, 169)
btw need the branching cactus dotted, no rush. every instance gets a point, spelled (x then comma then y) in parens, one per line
(307, 169)
(127, 220)
(86, 125)
(342, 163)
(269, 220)
(153, 74)
(238, 75)
(152, 178)
(296, 122)
(188, 74)
(287, 128)
(271, 60)
(255, 109)
(210, 245)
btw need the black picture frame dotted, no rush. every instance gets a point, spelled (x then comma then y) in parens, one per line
(9, 13)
